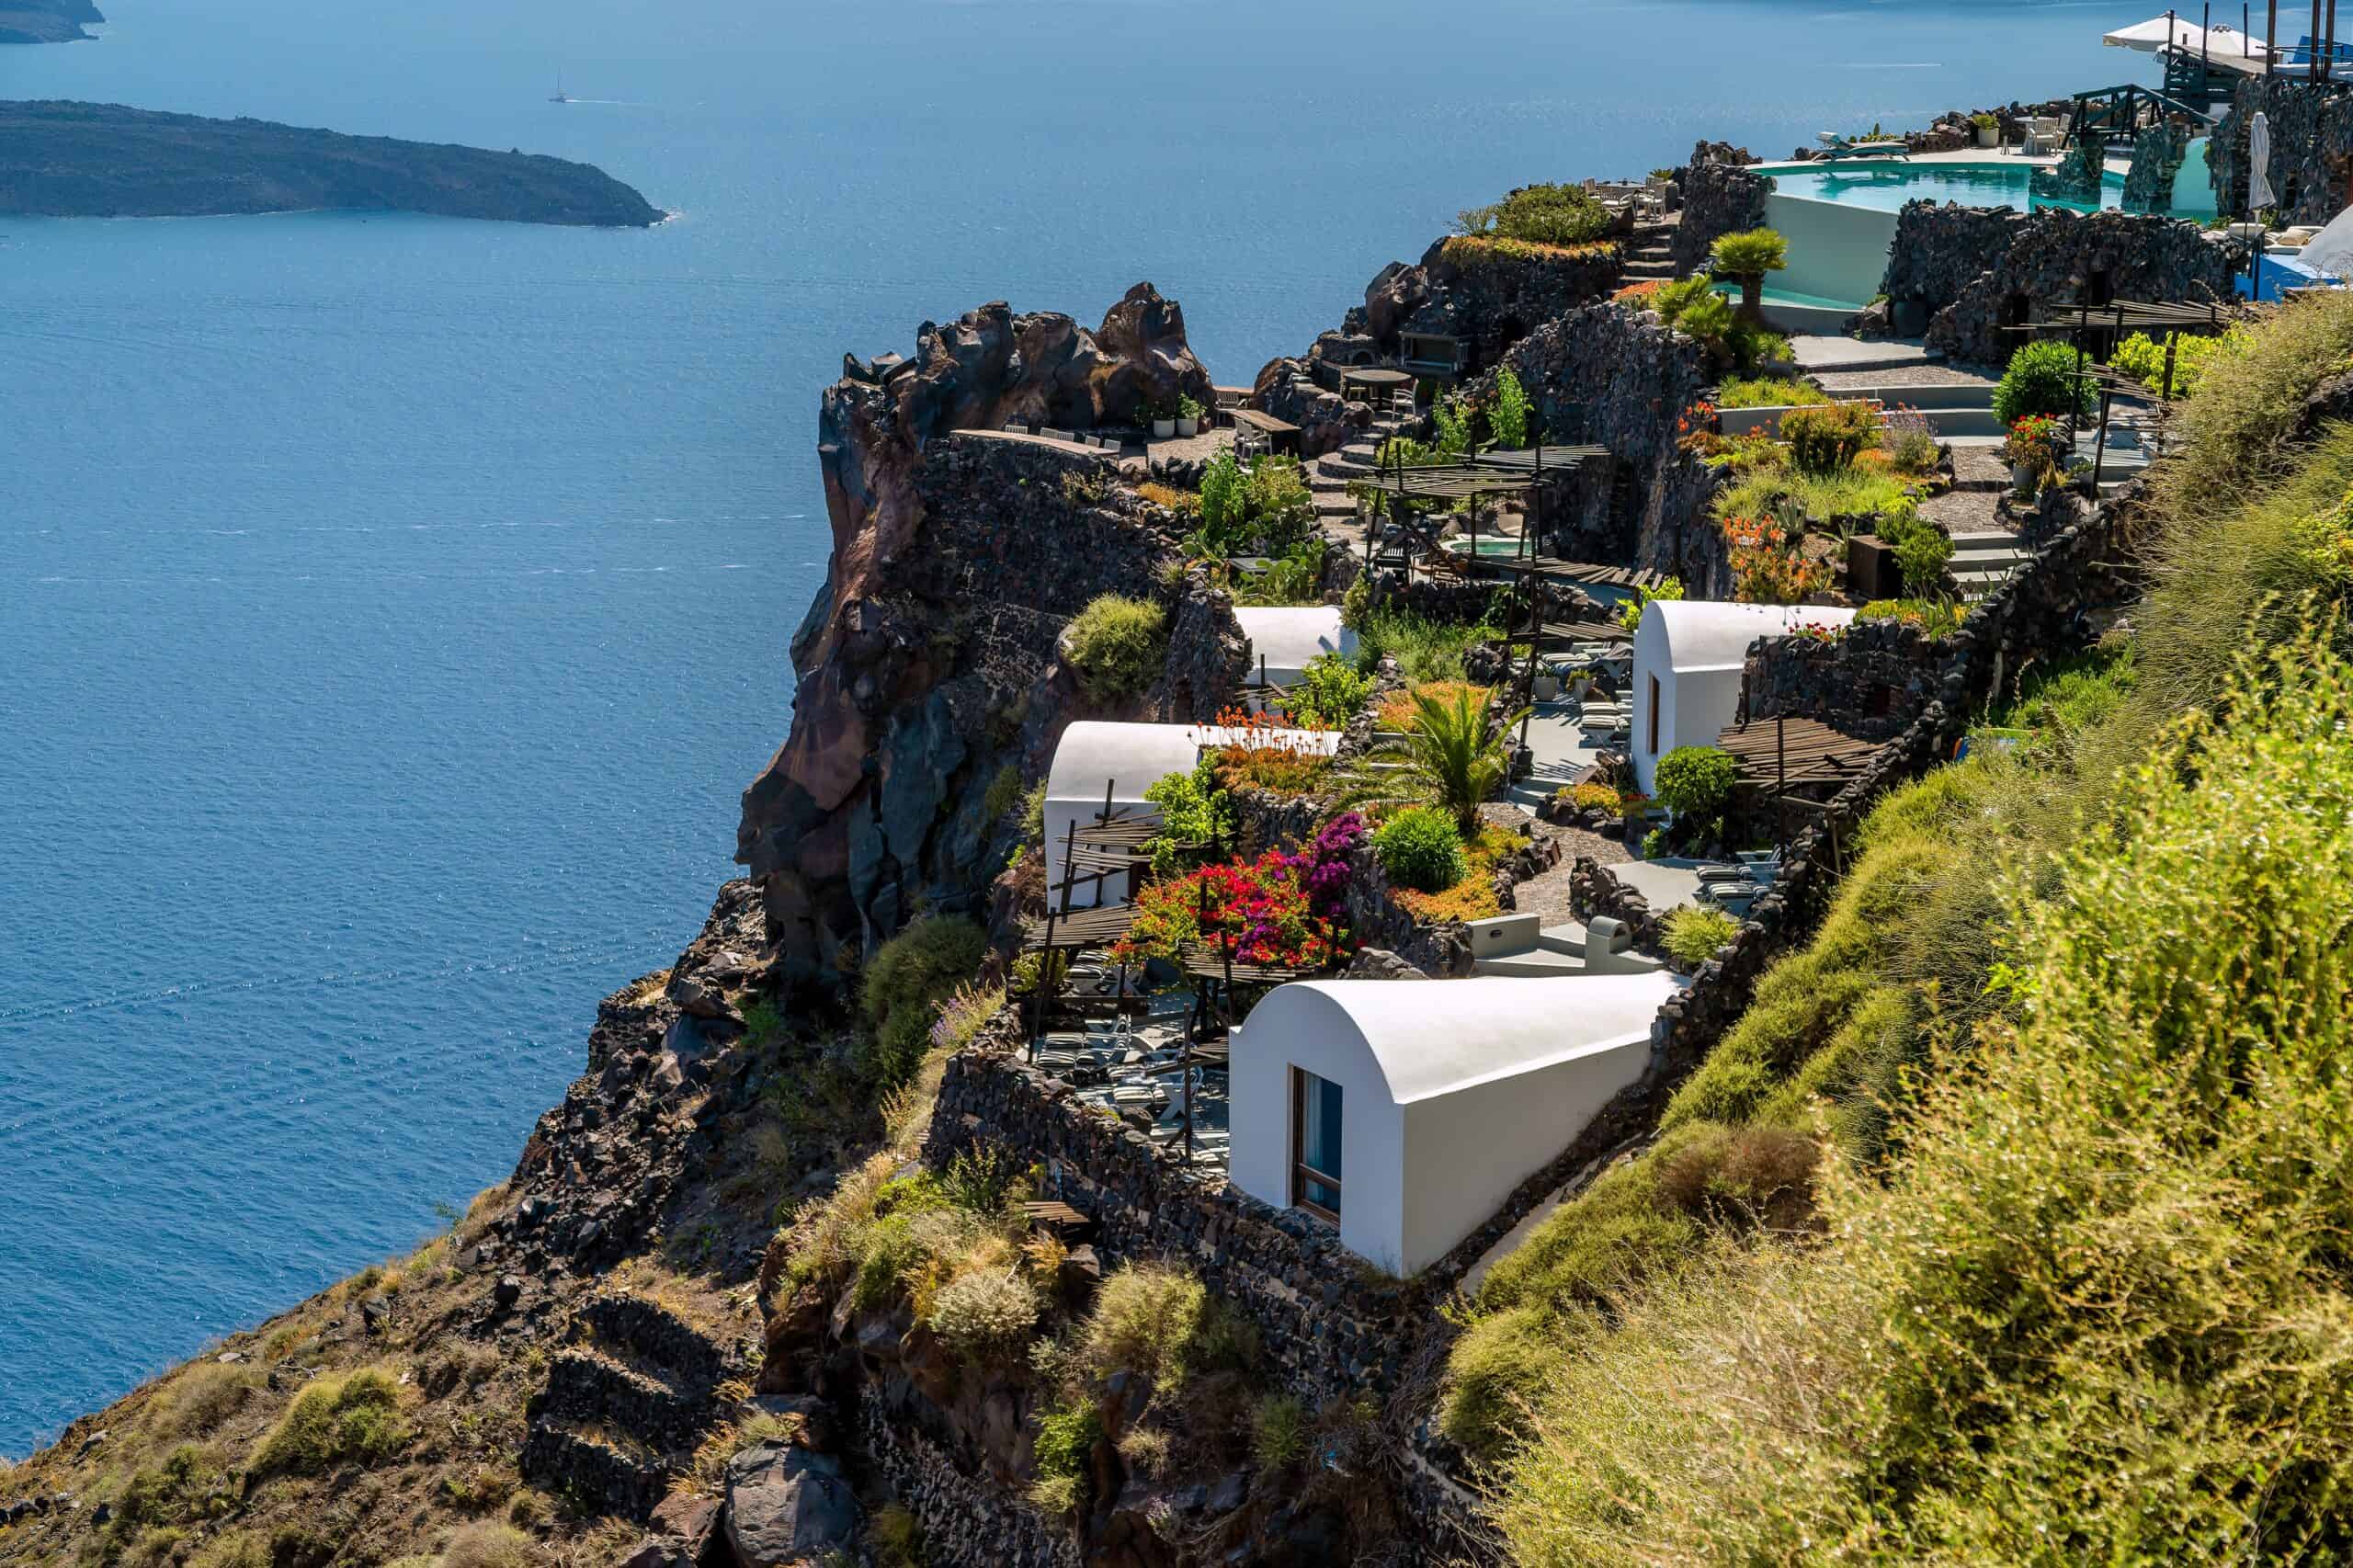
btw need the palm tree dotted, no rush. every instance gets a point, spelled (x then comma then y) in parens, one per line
(1454, 756)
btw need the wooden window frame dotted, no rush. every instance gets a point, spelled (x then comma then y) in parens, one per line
(1653, 725)
(1302, 1173)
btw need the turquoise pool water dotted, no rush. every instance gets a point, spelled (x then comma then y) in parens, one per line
(1887, 186)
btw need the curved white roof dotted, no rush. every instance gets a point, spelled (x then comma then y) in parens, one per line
(1134, 757)
(1708, 634)
(1287, 637)
(1436, 1037)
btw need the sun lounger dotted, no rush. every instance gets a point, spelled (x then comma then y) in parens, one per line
(1836, 148)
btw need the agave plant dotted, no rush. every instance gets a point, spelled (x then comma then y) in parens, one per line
(1454, 756)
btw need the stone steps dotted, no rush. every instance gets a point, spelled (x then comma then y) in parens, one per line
(583, 1464)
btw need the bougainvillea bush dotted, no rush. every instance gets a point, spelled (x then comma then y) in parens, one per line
(1323, 867)
(1260, 906)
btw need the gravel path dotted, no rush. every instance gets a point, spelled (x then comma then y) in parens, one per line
(1548, 895)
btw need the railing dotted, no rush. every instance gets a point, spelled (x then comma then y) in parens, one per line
(2110, 116)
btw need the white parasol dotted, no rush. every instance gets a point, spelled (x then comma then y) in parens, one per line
(2259, 194)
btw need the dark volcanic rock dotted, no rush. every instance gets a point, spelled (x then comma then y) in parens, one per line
(65, 159)
(929, 664)
(787, 1506)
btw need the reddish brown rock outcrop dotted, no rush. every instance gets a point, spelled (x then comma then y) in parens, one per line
(929, 689)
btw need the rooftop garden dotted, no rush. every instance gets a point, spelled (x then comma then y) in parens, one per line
(1558, 216)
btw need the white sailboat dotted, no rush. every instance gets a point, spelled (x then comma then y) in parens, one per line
(559, 96)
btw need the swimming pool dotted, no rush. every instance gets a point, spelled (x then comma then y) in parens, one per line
(1886, 187)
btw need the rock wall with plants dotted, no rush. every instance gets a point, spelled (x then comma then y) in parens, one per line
(1720, 196)
(2058, 253)
(1870, 681)
(930, 660)
(1616, 378)
(2311, 140)
(1332, 1326)
(1490, 292)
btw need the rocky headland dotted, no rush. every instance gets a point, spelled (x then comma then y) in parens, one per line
(65, 159)
(46, 21)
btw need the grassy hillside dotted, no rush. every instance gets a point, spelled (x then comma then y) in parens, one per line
(2008, 1226)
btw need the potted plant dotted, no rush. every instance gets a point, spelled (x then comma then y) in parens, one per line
(2031, 449)
(1163, 422)
(1188, 415)
(1988, 129)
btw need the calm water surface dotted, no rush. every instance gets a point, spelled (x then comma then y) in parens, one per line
(392, 609)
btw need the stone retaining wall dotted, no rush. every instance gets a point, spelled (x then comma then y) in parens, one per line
(1869, 681)
(1719, 197)
(2052, 256)
(964, 1519)
(1622, 380)
(1331, 1325)
(2312, 139)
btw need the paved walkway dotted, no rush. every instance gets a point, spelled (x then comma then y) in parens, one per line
(1562, 750)
(1548, 895)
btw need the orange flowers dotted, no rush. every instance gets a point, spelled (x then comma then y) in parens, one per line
(1767, 568)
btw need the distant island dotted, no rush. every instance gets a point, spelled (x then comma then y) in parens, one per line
(45, 21)
(81, 160)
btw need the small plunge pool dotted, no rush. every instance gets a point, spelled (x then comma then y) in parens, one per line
(1886, 187)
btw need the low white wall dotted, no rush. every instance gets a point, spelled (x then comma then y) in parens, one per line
(1836, 252)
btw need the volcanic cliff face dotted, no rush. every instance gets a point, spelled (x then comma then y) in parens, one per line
(929, 689)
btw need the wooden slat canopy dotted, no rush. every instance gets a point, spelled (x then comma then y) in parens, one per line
(1548, 458)
(1447, 482)
(1207, 961)
(1080, 928)
(1773, 753)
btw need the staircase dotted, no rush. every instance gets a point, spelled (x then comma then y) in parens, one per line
(1328, 476)
(1518, 946)
(1650, 252)
(626, 1404)
(1956, 411)
(1982, 562)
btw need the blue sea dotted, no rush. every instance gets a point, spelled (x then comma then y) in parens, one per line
(392, 609)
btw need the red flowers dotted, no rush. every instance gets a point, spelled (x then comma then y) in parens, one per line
(1261, 907)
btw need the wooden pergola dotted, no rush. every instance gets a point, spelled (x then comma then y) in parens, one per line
(2078, 320)
(1780, 756)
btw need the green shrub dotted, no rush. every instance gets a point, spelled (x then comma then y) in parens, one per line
(1694, 781)
(1507, 418)
(1063, 1456)
(1222, 491)
(1673, 298)
(1827, 436)
(1496, 1374)
(1769, 391)
(2040, 380)
(985, 1316)
(1158, 1322)
(1425, 650)
(1329, 694)
(904, 982)
(1750, 253)
(1278, 1431)
(1117, 646)
(1694, 933)
(1938, 618)
(896, 1537)
(1540, 214)
(1707, 319)
(353, 1418)
(1276, 488)
(1420, 848)
(489, 1544)
(1195, 813)
(188, 1486)
(199, 1399)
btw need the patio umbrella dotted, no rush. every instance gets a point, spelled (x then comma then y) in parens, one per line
(2259, 194)
(2221, 45)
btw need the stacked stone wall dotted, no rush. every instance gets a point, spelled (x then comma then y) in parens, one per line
(1720, 196)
